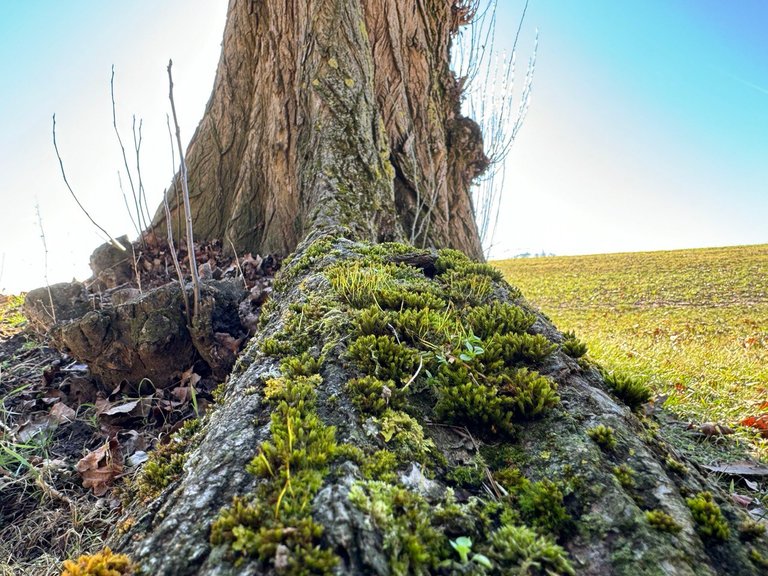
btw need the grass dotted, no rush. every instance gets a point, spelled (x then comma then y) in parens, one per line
(12, 320)
(692, 323)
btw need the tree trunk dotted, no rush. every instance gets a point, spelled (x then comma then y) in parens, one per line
(334, 111)
(396, 401)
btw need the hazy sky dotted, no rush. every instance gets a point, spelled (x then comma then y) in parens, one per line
(648, 126)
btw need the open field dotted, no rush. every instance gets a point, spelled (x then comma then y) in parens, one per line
(694, 323)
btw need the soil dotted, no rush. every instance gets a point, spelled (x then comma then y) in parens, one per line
(54, 413)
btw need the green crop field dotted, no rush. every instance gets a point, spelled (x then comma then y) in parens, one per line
(693, 323)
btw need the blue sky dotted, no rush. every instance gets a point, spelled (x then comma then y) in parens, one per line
(647, 129)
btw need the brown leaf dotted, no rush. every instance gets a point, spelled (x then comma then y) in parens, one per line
(228, 342)
(61, 413)
(743, 501)
(99, 468)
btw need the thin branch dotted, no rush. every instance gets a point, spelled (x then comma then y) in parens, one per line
(114, 242)
(45, 262)
(136, 198)
(169, 227)
(185, 194)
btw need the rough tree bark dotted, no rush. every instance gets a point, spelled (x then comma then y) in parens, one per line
(335, 111)
(388, 405)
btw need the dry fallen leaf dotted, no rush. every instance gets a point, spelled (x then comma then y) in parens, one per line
(61, 413)
(743, 501)
(99, 468)
(740, 468)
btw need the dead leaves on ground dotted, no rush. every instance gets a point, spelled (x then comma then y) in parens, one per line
(99, 468)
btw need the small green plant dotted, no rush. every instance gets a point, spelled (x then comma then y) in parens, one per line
(603, 436)
(625, 475)
(750, 530)
(519, 550)
(498, 318)
(676, 466)
(708, 516)
(384, 357)
(541, 505)
(572, 346)
(630, 389)
(463, 547)
(662, 521)
(472, 348)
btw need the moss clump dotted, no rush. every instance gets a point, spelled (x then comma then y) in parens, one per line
(384, 357)
(373, 396)
(464, 397)
(629, 389)
(519, 550)
(498, 318)
(380, 465)
(541, 505)
(471, 476)
(413, 545)
(758, 559)
(603, 436)
(750, 530)
(293, 464)
(625, 475)
(166, 462)
(405, 436)
(662, 521)
(103, 563)
(709, 519)
(572, 346)
(302, 365)
(676, 466)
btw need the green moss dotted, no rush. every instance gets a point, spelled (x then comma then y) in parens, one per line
(750, 530)
(572, 346)
(625, 475)
(603, 436)
(541, 505)
(166, 462)
(380, 465)
(629, 389)
(758, 559)
(710, 522)
(662, 521)
(676, 466)
(405, 437)
(498, 318)
(384, 357)
(470, 476)
(412, 544)
(373, 396)
(519, 550)
(464, 397)
(293, 464)
(302, 365)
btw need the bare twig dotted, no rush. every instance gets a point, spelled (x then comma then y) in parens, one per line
(489, 80)
(114, 242)
(45, 262)
(139, 215)
(171, 245)
(185, 194)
